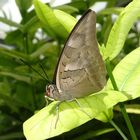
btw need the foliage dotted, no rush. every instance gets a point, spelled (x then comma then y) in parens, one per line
(38, 40)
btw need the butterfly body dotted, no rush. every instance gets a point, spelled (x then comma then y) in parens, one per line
(53, 93)
(80, 70)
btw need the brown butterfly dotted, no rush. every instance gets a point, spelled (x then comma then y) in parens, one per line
(80, 70)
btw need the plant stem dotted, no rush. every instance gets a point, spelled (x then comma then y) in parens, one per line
(118, 129)
(121, 105)
(128, 122)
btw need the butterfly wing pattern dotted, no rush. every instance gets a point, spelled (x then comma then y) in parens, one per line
(81, 70)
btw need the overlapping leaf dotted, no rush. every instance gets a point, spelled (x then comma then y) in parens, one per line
(121, 28)
(127, 74)
(51, 20)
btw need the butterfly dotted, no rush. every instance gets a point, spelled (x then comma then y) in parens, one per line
(80, 70)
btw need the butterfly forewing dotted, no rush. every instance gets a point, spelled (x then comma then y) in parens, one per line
(81, 70)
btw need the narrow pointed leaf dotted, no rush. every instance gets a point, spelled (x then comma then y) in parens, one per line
(121, 28)
(51, 19)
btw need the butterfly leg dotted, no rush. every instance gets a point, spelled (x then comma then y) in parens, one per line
(57, 112)
(78, 103)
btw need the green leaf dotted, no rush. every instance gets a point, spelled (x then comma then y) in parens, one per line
(49, 51)
(50, 21)
(110, 11)
(13, 53)
(10, 38)
(121, 28)
(67, 9)
(65, 19)
(23, 4)
(79, 4)
(16, 76)
(131, 108)
(91, 134)
(11, 23)
(42, 125)
(127, 75)
(105, 115)
(45, 14)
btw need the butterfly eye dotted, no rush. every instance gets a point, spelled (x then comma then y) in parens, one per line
(49, 91)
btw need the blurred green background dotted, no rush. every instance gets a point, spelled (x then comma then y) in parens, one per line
(22, 89)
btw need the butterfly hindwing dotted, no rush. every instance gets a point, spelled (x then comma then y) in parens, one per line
(81, 70)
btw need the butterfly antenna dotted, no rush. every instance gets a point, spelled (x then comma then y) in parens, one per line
(26, 63)
(47, 77)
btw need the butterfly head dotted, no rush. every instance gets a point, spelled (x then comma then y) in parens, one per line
(52, 92)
